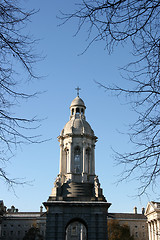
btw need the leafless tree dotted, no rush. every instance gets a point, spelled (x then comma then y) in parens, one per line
(16, 51)
(137, 23)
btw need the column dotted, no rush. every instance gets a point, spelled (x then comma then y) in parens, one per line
(149, 231)
(155, 229)
(152, 230)
(84, 162)
(92, 159)
(61, 157)
(158, 228)
(70, 158)
(67, 160)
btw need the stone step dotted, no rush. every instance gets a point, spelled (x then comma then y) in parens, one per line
(77, 189)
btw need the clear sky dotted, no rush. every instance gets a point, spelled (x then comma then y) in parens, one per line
(64, 69)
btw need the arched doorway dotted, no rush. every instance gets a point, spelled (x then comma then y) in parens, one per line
(76, 230)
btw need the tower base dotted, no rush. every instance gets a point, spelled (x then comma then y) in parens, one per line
(76, 220)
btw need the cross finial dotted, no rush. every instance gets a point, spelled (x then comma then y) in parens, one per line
(78, 89)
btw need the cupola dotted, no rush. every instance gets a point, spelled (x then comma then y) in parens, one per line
(77, 108)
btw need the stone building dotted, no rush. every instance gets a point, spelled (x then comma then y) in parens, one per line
(76, 208)
(137, 223)
(153, 217)
(14, 224)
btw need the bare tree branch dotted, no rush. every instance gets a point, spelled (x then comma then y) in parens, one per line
(16, 48)
(135, 22)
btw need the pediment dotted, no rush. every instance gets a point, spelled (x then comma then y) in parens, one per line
(150, 208)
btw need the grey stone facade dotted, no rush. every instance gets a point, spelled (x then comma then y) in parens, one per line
(93, 215)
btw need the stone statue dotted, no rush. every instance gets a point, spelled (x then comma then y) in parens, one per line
(57, 182)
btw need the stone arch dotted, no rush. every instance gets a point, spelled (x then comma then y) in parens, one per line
(76, 229)
(77, 110)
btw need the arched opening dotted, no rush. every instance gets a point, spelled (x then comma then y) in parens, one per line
(77, 110)
(88, 159)
(77, 160)
(72, 111)
(82, 110)
(76, 230)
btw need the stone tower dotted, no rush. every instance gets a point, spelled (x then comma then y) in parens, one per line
(76, 208)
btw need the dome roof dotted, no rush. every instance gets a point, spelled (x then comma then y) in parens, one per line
(77, 126)
(77, 102)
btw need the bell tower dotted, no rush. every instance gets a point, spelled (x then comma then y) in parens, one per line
(77, 146)
(77, 201)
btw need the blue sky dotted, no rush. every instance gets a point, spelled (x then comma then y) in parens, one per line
(64, 69)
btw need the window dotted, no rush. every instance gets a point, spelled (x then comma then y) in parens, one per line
(77, 159)
(82, 110)
(72, 111)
